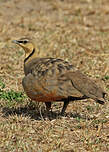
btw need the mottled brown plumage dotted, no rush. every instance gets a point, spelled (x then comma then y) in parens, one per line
(51, 79)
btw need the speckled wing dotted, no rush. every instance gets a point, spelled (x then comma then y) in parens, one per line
(86, 86)
(44, 81)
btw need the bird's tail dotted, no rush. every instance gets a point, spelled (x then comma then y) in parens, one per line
(87, 86)
(101, 100)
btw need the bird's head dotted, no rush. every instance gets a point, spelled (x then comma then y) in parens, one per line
(28, 45)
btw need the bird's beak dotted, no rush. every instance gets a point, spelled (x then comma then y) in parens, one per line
(15, 41)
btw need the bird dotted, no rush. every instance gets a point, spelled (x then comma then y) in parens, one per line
(49, 79)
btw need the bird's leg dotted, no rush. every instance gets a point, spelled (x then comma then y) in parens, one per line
(48, 106)
(49, 113)
(66, 102)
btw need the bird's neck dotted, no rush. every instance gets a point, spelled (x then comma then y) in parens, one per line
(30, 56)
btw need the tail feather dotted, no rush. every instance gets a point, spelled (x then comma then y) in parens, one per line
(100, 101)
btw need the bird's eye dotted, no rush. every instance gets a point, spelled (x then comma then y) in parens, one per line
(20, 41)
(24, 42)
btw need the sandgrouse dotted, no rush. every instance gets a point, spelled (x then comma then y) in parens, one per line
(52, 79)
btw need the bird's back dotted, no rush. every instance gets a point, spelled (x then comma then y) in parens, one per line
(47, 66)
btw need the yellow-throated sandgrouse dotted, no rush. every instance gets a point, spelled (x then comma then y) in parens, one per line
(52, 79)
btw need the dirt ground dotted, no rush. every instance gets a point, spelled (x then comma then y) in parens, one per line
(75, 30)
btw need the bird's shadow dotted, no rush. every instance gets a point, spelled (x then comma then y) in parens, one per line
(31, 112)
(36, 114)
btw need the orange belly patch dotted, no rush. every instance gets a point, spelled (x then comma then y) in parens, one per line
(48, 98)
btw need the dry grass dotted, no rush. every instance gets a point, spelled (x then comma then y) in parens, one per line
(77, 31)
